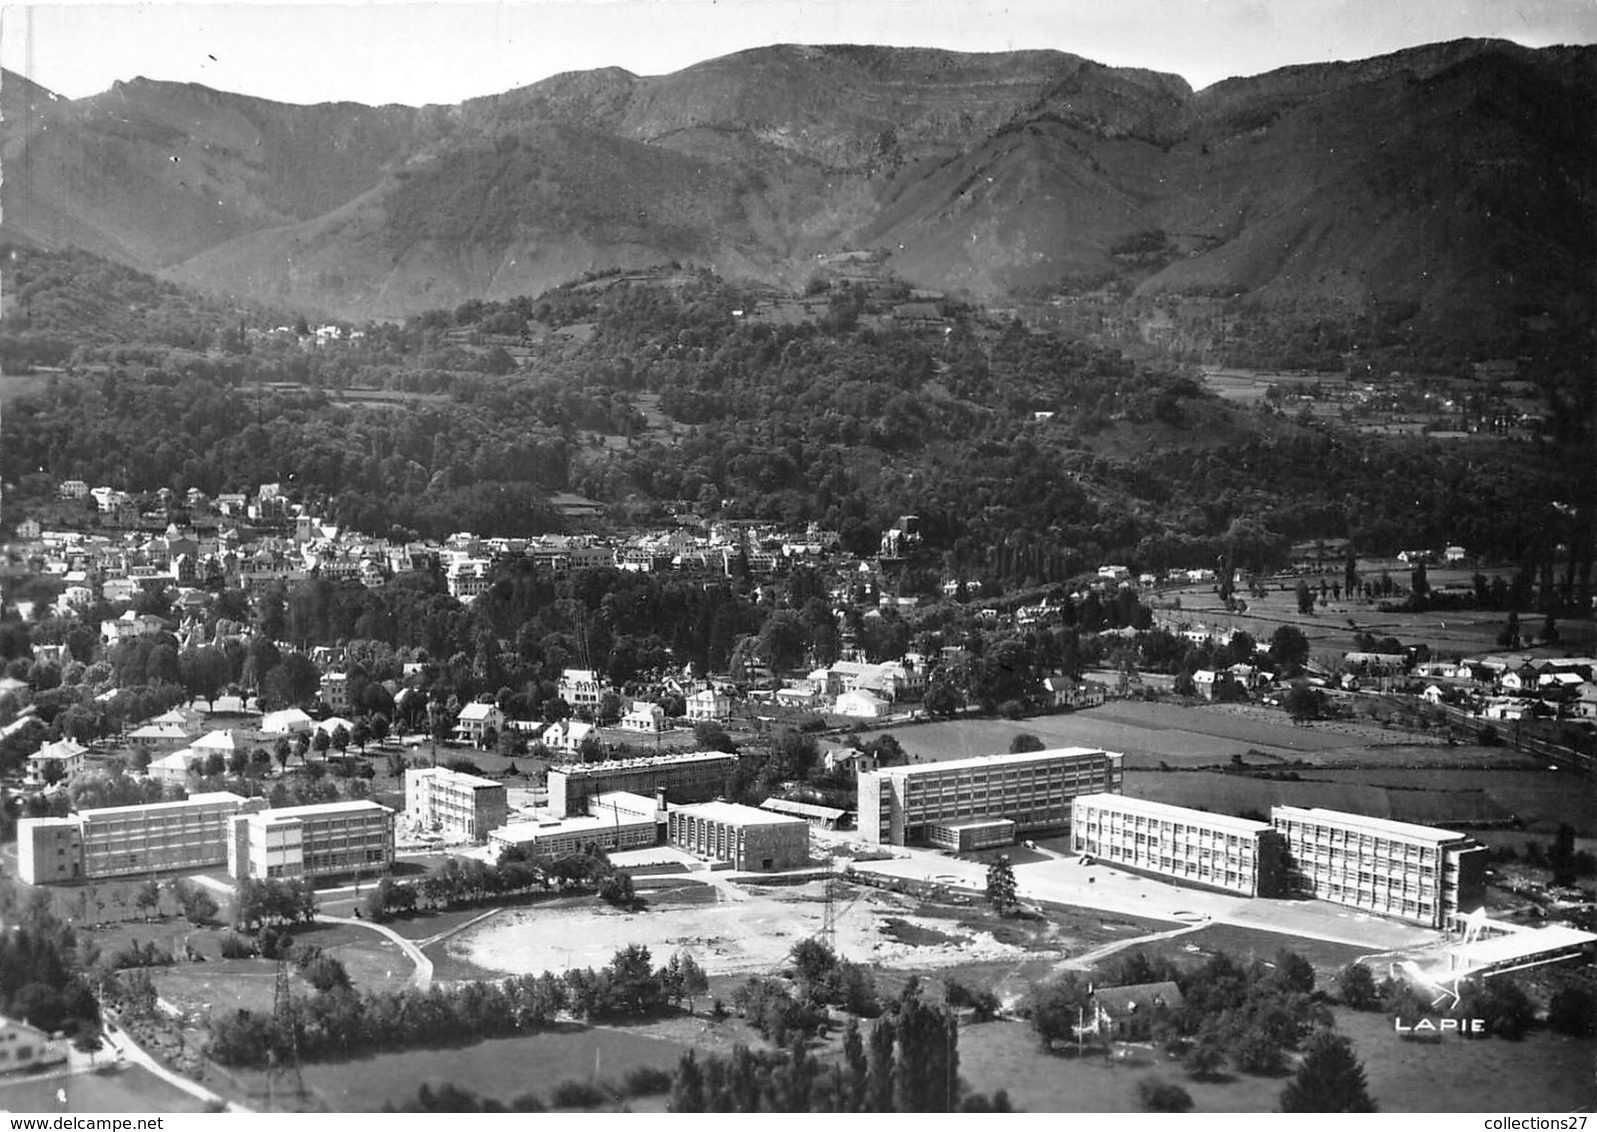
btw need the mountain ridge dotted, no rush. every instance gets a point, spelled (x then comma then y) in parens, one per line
(990, 173)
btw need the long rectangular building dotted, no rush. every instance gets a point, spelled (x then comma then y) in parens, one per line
(1034, 789)
(1411, 872)
(444, 799)
(693, 777)
(1190, 846)
(115, 841)
(352, 838)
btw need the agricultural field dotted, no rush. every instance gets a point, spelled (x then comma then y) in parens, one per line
(1150, 734)
(1332, 627)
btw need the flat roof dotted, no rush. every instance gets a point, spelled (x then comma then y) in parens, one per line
(327, 808)
(1053, 754)
(216, 796)
(650, 763)
(807, 809)
(1521, 945)
(975, 823)
(1166, 812)
(1383, 826)
(734, 814)
(582, 823)
(461, 777)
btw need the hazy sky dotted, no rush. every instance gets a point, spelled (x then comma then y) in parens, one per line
(444, 51)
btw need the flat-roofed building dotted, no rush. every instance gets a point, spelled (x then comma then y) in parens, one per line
(821, 817)
(1417, 873)
(1034, 789)
(129, 840)
(49, 850)
(1190, 846)
(558, 836)
(970, 836)
(447, 800)
(752, 840)
(351, 838)
(691, 777)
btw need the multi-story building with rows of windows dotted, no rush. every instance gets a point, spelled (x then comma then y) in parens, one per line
(1034, 789)
(447, 800)
(692, 777)
(1411, 872)
(1189, 846)
(129, 840)
(332, 839)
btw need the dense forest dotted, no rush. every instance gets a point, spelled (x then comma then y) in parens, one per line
(1027, 455)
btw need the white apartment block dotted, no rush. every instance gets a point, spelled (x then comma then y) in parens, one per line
(1034, 789)
(1417, 873)
(1190, 846)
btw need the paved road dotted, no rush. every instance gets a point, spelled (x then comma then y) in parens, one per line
(422, 977)
(121, 1045)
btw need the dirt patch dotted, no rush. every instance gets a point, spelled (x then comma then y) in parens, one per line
(746, 931)
(902, 931)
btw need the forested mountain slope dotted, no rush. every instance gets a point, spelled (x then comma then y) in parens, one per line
(1455, 184)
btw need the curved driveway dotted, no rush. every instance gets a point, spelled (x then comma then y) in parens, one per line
(422, 977)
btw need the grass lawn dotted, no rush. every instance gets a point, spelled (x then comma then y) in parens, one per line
(128, 1088)
(504, 1068)
(1543, 1073)
(1005, 1055)
(228, 984)
(1245, 943)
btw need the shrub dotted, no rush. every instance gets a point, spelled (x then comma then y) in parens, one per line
(646, 1080)
(1162, 1096)
(572, 1093)
(235, 946)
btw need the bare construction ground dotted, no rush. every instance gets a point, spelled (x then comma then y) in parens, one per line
(745, 930)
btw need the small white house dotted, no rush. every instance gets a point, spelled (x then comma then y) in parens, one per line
(66, 754)
(860, 704)
(25, 1047)
(648, 719)
(709, 704)
(474, 722)
(567, 735)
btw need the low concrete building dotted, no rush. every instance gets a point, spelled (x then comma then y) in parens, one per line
(750, 840)
(970, 836)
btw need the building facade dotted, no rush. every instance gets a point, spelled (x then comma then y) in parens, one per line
(1190, 846)
(447, 800)
(693, 777)
(1410, 872)
(751, 840)
(971, 836)
(1034, 789)
(129, 840)
(333, 839)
